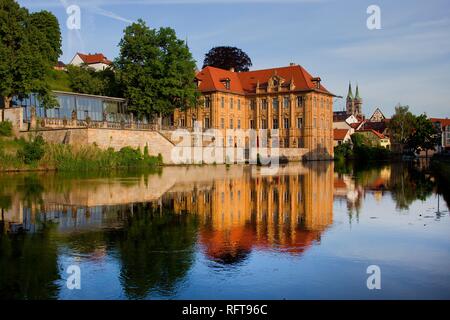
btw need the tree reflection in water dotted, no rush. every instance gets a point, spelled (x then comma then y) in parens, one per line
(154, 240)
(28, 264)
(156, 249)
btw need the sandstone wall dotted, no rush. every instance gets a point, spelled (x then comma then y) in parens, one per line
(15, 115)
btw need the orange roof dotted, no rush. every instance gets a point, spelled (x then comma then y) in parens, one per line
(212, 79)
(339, 134)
(94, 58)
(443, 122)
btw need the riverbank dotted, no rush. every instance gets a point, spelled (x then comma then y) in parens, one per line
(20, 155)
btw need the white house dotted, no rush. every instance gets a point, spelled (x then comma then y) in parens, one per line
(95, 61)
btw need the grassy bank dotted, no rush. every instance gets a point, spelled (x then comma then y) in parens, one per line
(35, 154)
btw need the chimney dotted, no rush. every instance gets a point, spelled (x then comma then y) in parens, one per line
(232, 69)
(292, 64)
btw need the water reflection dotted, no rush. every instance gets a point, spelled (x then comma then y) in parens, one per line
(140, 235)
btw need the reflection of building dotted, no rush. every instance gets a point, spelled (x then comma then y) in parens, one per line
(288, 99)
(285, 212)
(239, 210)
(353, 191)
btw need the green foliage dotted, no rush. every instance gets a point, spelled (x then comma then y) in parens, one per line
(129, 157)
(6, 129)
(156, 70)
(89, 81)
(425, 136)
(29, 47)
(32, 151)
(360, 149)
(401, 126)
(59, 80)
(415, 133)
(68, 158)
(343, 151)
(364, 151)
(227, 58)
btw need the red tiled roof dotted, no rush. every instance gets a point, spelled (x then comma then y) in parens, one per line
(443, 122)
(377, 126)
(339, 134)
(94, 58)
(245, 82)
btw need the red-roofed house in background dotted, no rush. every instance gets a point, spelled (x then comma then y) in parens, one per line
(444, 126)
(288, 99)
(96, 61)
(375, 138)
(60, 66)
(341, 136)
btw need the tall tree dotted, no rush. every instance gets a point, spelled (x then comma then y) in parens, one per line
(425, 136)
(30, 45)
(156, 70)
(227, 58)
(401, 125)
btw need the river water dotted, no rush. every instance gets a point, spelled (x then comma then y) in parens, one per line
(306, 231)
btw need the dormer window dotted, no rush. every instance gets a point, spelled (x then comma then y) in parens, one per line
(198, 82)
(316, 82)
(226, 82)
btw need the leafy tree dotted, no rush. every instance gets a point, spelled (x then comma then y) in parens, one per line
(30, 45)
(227, 58)
(425, 136)
(156, 70)
(87, 80)
(401, 125)
(84, 80)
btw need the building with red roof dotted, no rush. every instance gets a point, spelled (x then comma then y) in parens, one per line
(443, 126)
(96, 61)
(288, 99)
(375, 138)
(341, 136)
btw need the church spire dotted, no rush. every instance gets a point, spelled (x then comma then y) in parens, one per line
(357, 93)
(350, 94)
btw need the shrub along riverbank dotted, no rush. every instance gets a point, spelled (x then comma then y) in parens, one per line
(35, 154)
(360, 150)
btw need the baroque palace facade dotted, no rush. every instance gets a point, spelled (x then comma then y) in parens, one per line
(288, 99)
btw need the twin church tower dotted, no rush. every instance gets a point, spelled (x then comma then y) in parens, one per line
(354, 103)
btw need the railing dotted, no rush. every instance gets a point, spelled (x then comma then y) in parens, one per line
(55, 123)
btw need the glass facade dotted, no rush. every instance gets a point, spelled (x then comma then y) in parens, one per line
(94, 107)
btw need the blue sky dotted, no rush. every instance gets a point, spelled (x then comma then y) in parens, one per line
(407, 61)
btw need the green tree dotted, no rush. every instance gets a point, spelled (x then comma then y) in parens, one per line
(29, 46)
(84, 80)
(401, 126)
(227, 58)
(156, 70)
(425, 135)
